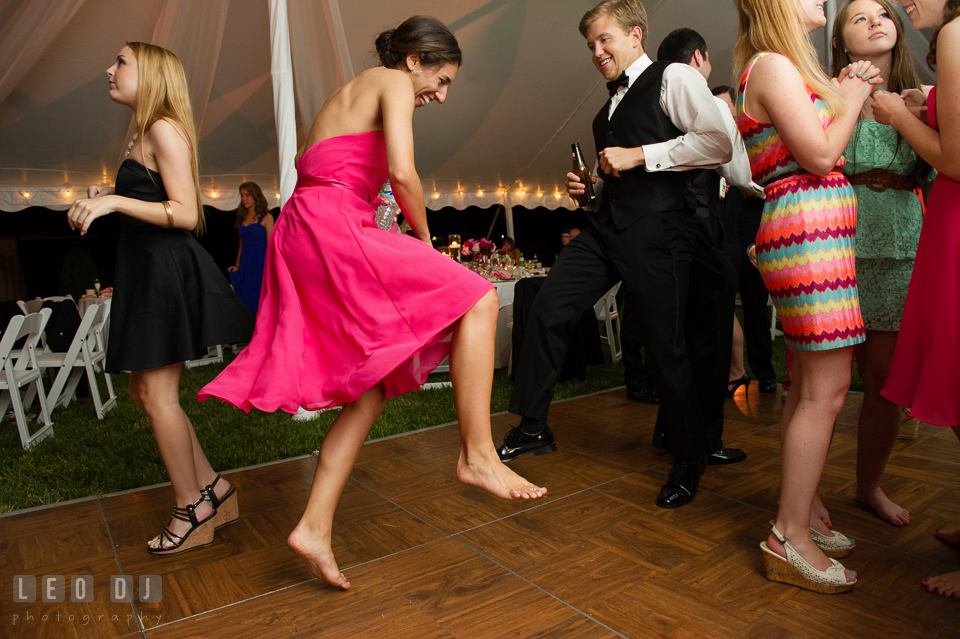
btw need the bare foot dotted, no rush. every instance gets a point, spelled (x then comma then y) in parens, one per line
(820, 512)
(318, 555)
(179, 527)
(947, 585)
(952, 537)
(886, 509)
(495, 478)
(810, 553)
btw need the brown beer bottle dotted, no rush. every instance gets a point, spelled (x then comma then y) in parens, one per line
(581, 170)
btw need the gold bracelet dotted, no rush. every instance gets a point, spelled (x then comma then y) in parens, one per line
(169, 211)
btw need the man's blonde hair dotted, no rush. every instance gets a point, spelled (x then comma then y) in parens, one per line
(626, 13)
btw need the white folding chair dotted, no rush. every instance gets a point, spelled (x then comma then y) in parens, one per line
(774, 331)
(30, 306)
(25, 372)
(606, 311)
(86, 352)
(214, 356)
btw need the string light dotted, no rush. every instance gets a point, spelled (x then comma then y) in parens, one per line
(278, 195)
(480, 193)
(214, 194)
(435, 196)
(27, 195)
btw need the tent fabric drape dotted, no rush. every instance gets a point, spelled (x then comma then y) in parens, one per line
(25, 36)
(526, 90)
(321, 58)
(194, 32)
(281, 67)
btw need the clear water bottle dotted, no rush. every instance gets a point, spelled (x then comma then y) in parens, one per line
(387, 213)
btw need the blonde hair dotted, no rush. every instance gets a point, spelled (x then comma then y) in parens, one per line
(162, 94)
(626, 13)
(774, 25)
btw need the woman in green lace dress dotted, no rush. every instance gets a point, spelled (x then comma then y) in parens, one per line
(886, 175)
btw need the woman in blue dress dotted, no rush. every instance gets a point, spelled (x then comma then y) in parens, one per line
(254, 225)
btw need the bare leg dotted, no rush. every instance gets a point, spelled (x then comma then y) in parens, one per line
(471, 373)
(819, 517)
(205, 473)
(157, 392)
(878, 426)
(736, 356)
(311, 538)
(819, 385)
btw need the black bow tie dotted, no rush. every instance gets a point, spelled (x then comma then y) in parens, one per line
(622, 81)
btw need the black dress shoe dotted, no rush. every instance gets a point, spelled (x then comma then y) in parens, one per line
(726, 456)
(517, 443)
(644, 396)
(659, 440)
(682, 483)
(768, 385)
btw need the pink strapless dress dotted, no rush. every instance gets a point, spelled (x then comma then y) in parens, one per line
(925, 374)
(344, 305)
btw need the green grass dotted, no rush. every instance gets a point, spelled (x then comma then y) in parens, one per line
(87, 456)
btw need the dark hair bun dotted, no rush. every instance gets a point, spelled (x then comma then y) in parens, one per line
(423, 35)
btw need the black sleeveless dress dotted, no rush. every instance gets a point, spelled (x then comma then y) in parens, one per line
(170, 300)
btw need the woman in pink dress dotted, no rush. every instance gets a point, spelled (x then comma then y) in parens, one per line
(925, 373)
(353, 315)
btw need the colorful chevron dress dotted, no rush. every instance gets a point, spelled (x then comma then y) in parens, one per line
(806, 242)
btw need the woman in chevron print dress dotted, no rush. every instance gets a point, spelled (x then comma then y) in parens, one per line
(796, 123)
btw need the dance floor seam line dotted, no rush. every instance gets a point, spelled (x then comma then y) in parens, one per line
(541, 589)
(116, 557)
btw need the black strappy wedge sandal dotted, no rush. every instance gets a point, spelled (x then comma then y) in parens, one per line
(200, 533)
(228, 508)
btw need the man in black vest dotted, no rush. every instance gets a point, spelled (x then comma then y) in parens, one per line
(660, 121)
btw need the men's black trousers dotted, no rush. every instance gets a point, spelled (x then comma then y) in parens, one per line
(652, 256)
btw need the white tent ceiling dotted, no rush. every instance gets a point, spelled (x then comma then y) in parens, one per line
(527, 88)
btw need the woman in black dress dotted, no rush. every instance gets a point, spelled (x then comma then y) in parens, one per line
(170, 301)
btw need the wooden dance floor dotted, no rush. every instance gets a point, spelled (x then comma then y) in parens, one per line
(430, 558)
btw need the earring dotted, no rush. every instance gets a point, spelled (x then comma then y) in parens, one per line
(418, 70)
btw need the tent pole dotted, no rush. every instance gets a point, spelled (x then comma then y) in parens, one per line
(508, 208)
(281, 68)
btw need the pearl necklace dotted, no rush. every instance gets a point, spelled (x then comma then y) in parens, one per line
(130, 144)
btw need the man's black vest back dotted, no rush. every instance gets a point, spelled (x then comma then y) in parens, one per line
(637, 121)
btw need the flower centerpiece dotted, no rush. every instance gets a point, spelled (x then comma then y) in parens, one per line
(482, 249)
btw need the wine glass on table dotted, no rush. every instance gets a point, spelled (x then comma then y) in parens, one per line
(96, 287)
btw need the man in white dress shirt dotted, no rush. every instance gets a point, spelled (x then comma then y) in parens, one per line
(660, 121)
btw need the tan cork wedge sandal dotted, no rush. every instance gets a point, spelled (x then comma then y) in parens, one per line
(835, 546)
(794, 570)
(228, 507)
(200, 533)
